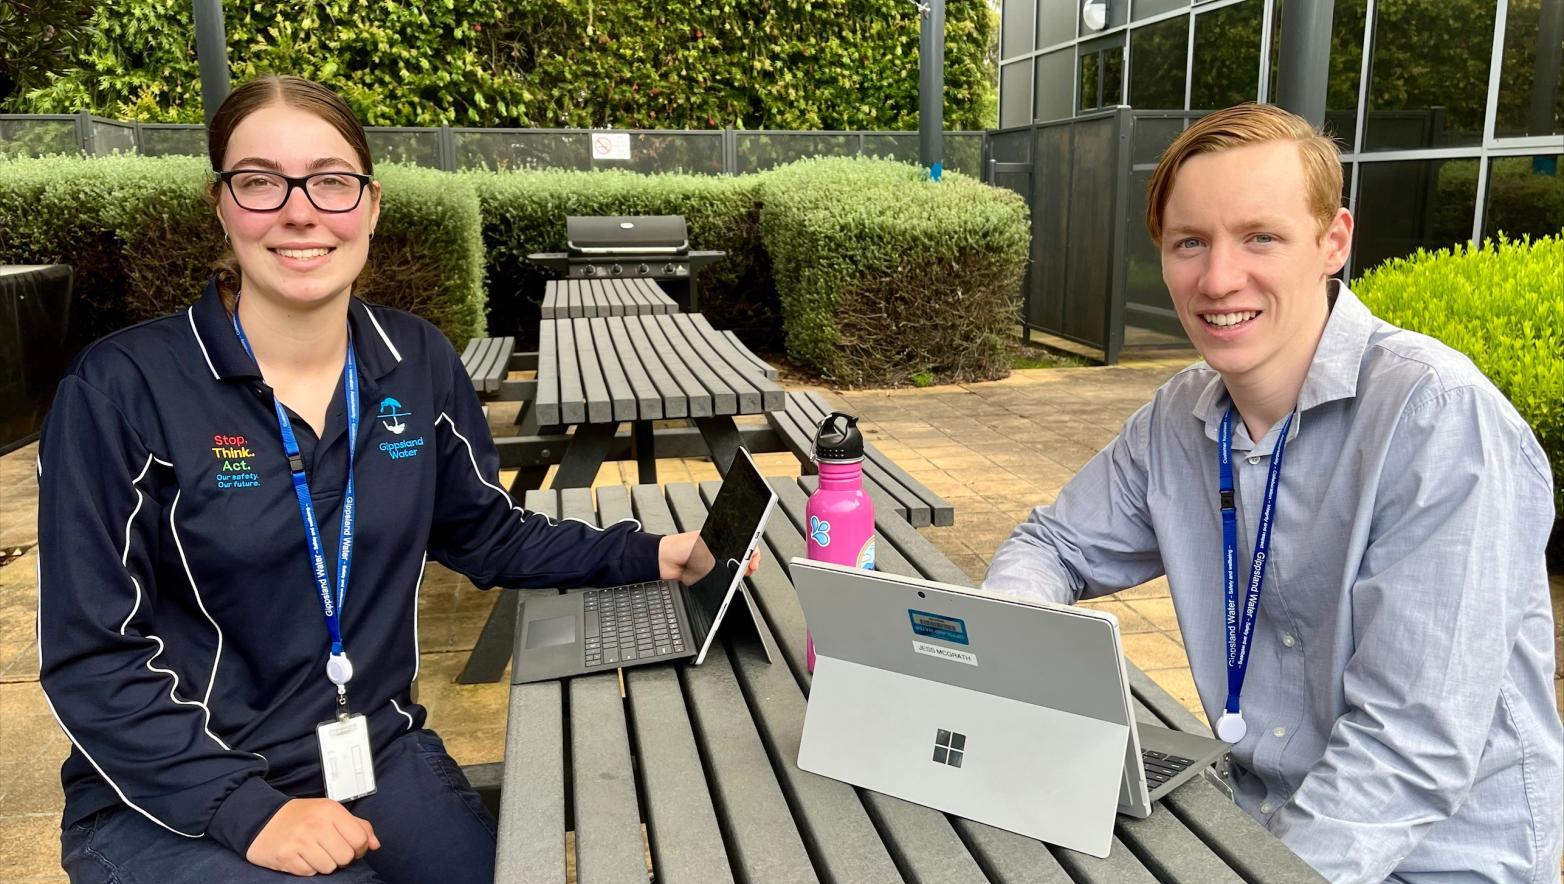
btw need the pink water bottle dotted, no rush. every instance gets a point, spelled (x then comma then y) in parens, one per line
(840, 514)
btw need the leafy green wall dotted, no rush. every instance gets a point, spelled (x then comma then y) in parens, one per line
(698, 64)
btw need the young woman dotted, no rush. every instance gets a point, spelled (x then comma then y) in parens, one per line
(237, 503)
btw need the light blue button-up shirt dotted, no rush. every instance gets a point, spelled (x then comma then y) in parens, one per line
(1399, 696)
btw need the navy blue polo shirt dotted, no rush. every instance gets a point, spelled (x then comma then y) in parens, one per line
(181, 638)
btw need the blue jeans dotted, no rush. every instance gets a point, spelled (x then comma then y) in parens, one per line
(432, 826)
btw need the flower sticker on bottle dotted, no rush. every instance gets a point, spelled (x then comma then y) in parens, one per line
(820, 531)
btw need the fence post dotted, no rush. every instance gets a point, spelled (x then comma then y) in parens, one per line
(84, 138)
(447, 149)
(730, 151)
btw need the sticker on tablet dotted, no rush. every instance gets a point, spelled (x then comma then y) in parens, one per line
(945, 629)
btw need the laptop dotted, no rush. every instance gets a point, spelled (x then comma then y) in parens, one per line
(593, 630)
(1011, 713)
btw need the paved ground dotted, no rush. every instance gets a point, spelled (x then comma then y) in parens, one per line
(994, 450)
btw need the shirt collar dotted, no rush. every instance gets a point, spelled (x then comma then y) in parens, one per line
(226, 358)
(1333, 373)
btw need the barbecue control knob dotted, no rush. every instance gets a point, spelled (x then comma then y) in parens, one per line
(588, 270)
(618, 270)
(668, 268)
(643, 270)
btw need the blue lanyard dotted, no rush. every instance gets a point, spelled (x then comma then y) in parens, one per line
(338, 669)
(1240, 630)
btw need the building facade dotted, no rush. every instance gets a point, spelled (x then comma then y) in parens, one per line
(1449, 112)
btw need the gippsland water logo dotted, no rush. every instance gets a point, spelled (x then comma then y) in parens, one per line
(391, 415)
(393, 418)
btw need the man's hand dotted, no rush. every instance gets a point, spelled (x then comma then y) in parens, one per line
(310, 836)
(684, 558)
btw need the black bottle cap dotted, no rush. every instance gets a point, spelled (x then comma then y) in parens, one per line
(837, 439)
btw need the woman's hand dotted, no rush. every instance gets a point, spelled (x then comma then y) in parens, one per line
(684, 558)
(310, 836)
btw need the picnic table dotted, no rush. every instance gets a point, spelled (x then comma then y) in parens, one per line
(601, 371)
(704, 758)
(571, 298)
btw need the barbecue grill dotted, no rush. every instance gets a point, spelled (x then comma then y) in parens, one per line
(655, 247)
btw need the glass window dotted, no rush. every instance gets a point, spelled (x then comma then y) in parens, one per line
(1525, 196)
(1101, 74)
(1015, 94)
(1346, 66)
(1530, 100)
(1055, 85)
(1148, 8)
(1157, 56)
(1226, 69)
(1404, 206)
(1016, 33)
(1428, 83)
(1056, 21)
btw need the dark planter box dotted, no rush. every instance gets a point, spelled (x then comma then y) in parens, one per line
(35, 306)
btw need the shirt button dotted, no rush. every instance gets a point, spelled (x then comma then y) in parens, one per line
(1267, 807)
(1279, 732)
(1254, 459)
(1288, 640)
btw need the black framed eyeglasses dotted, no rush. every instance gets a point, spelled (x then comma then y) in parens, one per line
(260, 191)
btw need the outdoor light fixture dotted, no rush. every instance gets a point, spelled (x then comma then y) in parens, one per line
(1094, 14)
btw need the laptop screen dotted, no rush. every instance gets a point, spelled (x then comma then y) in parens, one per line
(742, 502)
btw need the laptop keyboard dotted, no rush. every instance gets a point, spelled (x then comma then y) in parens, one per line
(1161, 767)
(625, 623)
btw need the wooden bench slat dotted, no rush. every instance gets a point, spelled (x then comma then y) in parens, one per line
(646, 402)
(696, 349)
(550, 298)
(762, 838)
(675, 402)
(594, 382)
(547, 402)
(681, 824)
(723, 346)
(661, 349)
(621, 395)
(532, 820)
(723, 398)
(572, 402)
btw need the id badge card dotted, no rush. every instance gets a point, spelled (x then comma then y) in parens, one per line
(345, 759)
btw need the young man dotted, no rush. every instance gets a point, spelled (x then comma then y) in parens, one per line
(1384, 504)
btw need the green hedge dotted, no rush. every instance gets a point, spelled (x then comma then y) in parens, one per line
(142, 240)
(886, 278)
(524, 212)
(1502, 304)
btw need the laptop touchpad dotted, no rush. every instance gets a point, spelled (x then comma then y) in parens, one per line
(551, 631)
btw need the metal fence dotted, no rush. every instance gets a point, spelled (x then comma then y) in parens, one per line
(710, 152)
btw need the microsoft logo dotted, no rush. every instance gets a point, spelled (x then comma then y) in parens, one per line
(949, 746)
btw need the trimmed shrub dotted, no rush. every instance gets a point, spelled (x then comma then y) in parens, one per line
(1502, 304)
(524, 212)
(142, 239)
(884, 276)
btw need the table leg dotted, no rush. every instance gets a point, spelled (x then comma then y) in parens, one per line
(645, 452)
(584, 456)
(722, 439)
(527, 478)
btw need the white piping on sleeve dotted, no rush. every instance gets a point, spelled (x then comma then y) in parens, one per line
(473, 459)
(392, 347)
(190, 312)
(398, 707)
(418, 588)
(124, 557)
